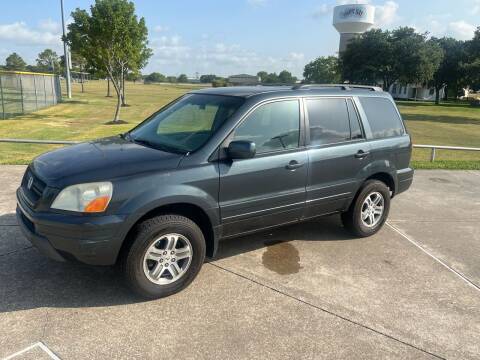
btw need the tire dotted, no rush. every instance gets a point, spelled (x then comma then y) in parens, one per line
(152, 254)
(352, 219)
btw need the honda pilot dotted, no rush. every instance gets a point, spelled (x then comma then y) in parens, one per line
(215, 164)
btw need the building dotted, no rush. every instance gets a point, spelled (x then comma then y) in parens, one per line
(353, 20)
(243, 80)
(414, 92)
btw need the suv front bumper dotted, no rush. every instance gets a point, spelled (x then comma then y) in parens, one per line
(94, 240)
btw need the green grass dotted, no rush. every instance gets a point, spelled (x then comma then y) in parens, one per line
(84, 118)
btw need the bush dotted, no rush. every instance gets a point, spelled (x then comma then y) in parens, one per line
(219, 82)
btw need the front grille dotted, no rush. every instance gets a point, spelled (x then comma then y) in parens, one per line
(35, 191)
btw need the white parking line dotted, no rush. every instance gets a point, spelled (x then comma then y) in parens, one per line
(459, 274)
(31, 347)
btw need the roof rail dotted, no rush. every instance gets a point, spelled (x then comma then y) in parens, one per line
(341, 86)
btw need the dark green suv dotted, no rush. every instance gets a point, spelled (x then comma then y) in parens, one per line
(214, 164)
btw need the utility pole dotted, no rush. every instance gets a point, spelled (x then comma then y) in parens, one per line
(67, 57)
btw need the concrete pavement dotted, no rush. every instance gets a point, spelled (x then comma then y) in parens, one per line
(308, 291)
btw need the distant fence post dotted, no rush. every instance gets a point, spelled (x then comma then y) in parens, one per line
(21, 93)
(1, 96)
(35, 89)
(45, 90)
(432, 155)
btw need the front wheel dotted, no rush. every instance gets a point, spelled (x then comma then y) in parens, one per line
(166, 255)
(369, 210)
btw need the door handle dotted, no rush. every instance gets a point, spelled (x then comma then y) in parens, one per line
(294, 164)
(362, 154)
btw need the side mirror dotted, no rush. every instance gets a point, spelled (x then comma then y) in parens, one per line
(241, 149)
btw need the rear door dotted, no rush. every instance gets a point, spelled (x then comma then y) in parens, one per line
(337, 152)
(268, 189)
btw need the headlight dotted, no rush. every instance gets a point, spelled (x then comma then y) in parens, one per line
(87, 198)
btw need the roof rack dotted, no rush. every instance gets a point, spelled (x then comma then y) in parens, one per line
(345, 87)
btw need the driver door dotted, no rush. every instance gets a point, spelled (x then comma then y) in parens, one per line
(268, 189)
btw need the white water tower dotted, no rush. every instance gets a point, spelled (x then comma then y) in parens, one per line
(352, 20)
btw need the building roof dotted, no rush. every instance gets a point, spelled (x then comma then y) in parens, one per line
(243, 76)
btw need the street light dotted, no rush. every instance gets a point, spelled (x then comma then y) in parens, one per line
(66, 54)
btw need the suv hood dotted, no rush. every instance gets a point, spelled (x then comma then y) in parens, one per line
(99, 160)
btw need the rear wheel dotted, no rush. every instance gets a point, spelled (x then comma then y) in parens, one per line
(369, 210)
(166, 255)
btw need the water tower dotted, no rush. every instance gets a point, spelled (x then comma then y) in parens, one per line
(352, 20)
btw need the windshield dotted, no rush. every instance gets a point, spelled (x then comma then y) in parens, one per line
(187, 124)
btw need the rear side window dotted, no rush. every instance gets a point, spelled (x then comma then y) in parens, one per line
(355, 128)
(382, 117)
(328, 120)
(272, 127)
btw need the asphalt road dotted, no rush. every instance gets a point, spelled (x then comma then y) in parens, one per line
(308, 291)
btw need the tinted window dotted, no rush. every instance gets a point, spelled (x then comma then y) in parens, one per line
(328, 121)
(382, 117)
(274, 126)
(355, 129)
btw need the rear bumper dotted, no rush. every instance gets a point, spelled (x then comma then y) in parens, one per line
(404, 180)
(94, 240)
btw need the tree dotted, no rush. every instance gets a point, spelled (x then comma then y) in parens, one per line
(285, 77)
(323, 70)
(112, 39)
(472, 63)
(48, 60)
(15, 62)
(206, 79)
(450, 72)
(171, 79)
(182, 78)
(263, 76)
(389, 56)
(155, 77)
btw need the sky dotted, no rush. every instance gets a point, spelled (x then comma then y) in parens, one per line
(226, 37)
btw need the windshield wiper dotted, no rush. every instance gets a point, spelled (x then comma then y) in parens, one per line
(156, 146)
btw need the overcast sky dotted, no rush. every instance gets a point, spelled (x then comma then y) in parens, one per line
(234, 36)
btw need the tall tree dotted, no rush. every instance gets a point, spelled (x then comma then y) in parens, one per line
(48, 60)
(400, 55)
(286, 77)
(182, 78)
(450, 71)
(472, 63)
(112, 39)
(15, 62)
(205, 79)
(263, 76)
(323, 70)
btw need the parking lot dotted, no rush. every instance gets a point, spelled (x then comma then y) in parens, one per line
(308, 291)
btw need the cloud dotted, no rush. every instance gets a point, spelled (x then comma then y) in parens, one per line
(345, 2)
(50, 26)
(476, 7)
(170, 50)
(160, 28)
(461, 30)
(20, 34)
(321, 10)
(386, 14)
(257, 3)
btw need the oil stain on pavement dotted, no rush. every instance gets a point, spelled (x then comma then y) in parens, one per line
(281, 257)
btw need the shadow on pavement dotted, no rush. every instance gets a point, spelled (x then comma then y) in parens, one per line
(29, 280)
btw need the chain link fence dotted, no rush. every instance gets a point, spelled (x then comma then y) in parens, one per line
(23, 92)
